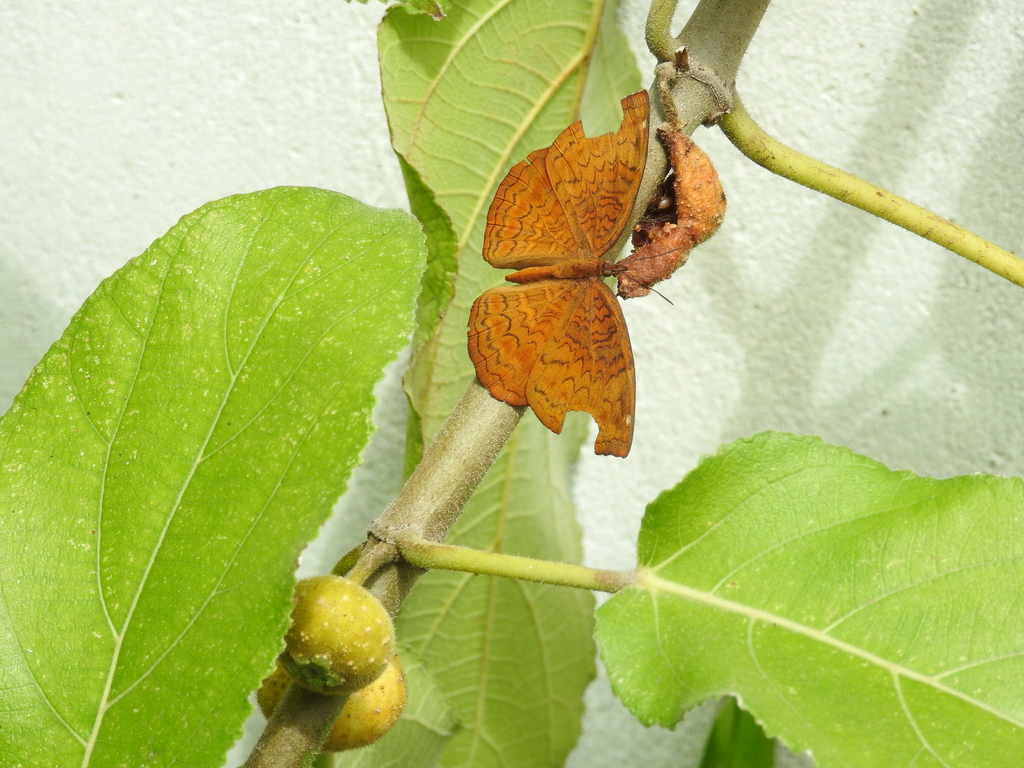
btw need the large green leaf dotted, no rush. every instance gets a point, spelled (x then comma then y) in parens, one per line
(870, 616)
(466, 99)
(168, 459)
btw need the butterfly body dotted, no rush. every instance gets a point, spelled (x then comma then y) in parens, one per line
(557, 340)
(566, 270)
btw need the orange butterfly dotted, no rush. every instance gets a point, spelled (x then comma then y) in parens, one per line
(557, 341)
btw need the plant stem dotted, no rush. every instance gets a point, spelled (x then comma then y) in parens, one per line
(696, 88)
(296, 730)
(660, 40)
(464, 449)
(718, 33)
(430, 555)
(750, 139)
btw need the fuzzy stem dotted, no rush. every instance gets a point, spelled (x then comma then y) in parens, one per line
(428, 555)
(296, 730)
(716, 36)
(692, 90)
(660, 40)
(750, 139)
(464, 449)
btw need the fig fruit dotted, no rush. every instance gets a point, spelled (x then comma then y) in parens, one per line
(271, 690)
(341, 637)
(367, 715)
(370, 712)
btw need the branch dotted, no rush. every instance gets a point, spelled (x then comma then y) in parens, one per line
(750, 139)
(696, 77)
(296, 730)
(464, 449)
(658, 32)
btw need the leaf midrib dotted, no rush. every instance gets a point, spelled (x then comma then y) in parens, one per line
(654, 584)
(105, 703)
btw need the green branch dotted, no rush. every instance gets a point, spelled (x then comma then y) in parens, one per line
(750, 139)
(658, 31)
(431, 555)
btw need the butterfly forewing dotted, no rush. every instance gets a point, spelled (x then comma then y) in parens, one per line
(526, 223)
(597, 179)
(570, 200)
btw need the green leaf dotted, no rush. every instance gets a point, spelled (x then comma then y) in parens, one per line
(467, 99)
(435, 296)
(737, 741)
(442, 267)
(870, 616)
(612, 75)
(167, 461)
(436, 9)
(420, 736)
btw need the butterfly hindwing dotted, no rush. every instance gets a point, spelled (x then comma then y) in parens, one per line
(508, 329)
(558, 346)
(590, 369)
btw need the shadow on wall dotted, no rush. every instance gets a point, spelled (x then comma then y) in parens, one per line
(966, 336)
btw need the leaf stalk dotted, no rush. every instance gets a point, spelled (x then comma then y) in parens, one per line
(431, 555)
(658, 31)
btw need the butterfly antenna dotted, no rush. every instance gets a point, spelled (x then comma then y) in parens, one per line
(666, 298)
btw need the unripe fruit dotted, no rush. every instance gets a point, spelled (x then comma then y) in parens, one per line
(271, 690)
(368, 713)
(341, 637)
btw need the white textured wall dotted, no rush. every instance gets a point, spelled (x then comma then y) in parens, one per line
(802, 314)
